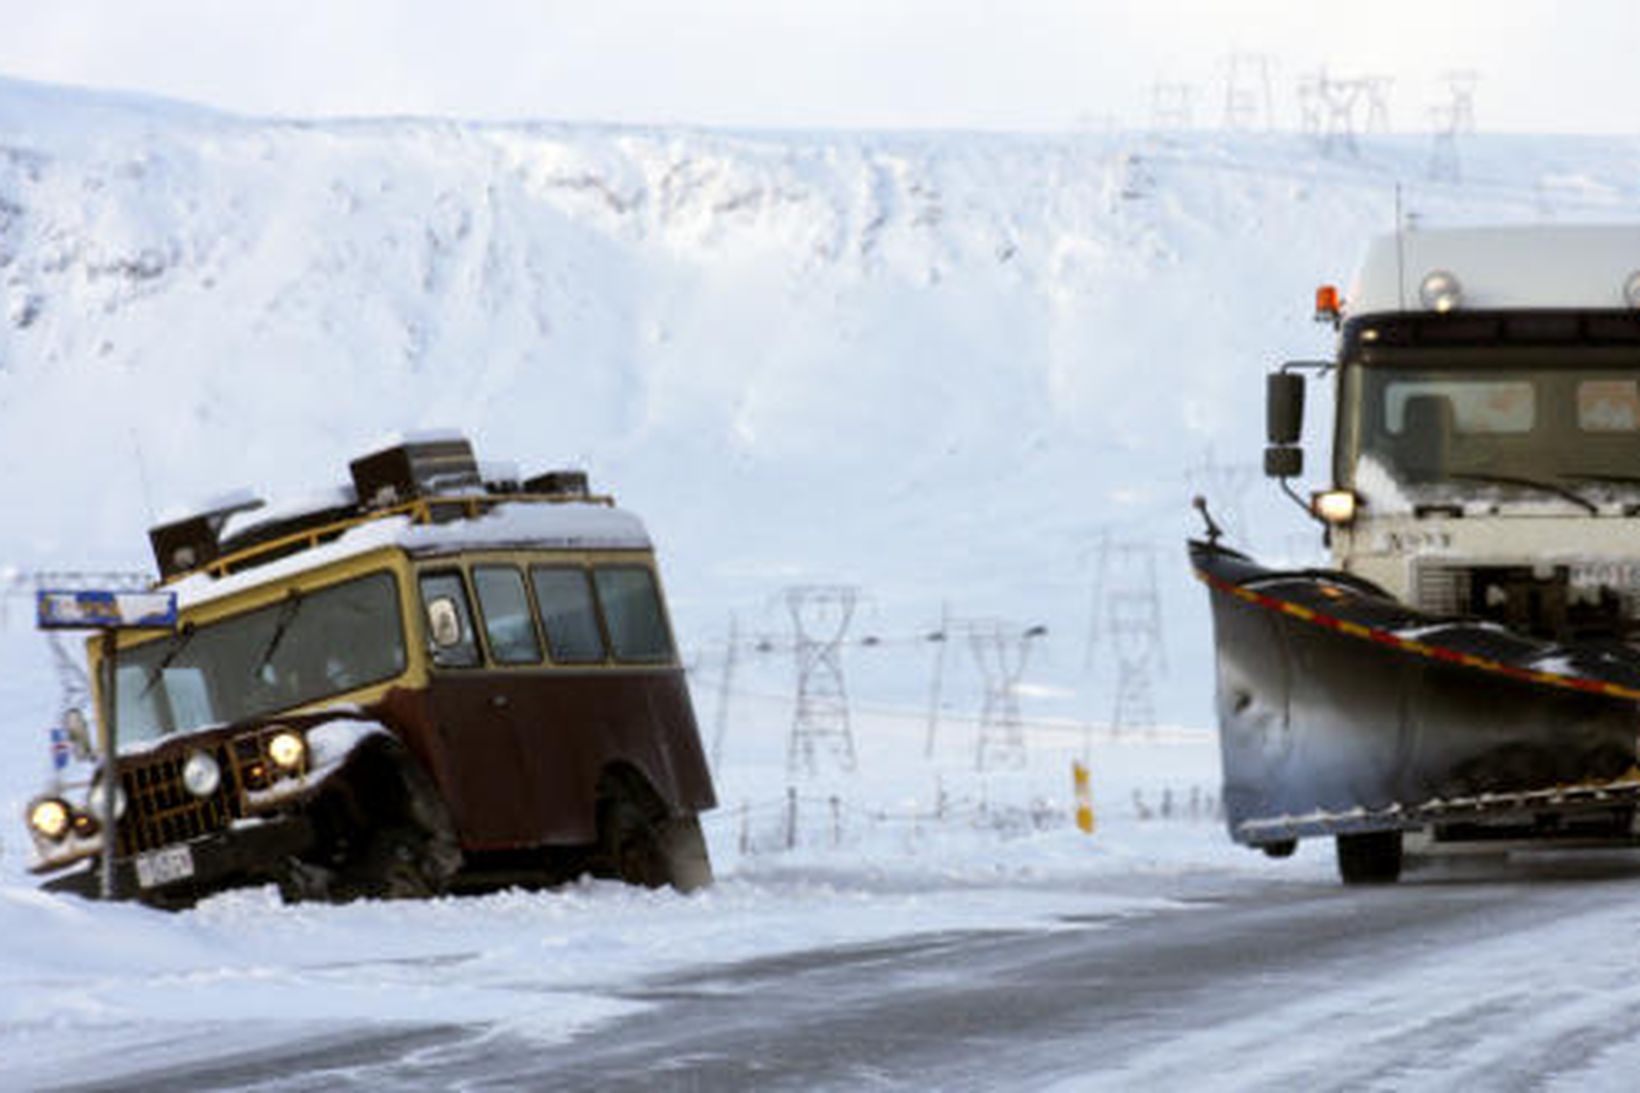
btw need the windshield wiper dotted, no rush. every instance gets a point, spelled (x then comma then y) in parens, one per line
(287, 614)
(1531, 483)
(178, 644)
(1590, 476)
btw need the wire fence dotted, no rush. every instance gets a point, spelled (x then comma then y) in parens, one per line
(803, 822)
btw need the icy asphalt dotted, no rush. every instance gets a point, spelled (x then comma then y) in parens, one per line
(1514, 975)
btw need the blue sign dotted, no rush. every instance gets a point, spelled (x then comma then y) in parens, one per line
(69, 610)
(61, 750)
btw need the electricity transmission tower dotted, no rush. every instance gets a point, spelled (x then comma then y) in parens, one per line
(1225, 484)
(820, 718)
(1452, 119)
(941, 638)
(1001, 655)
(1170, 105)
(1133, 625)
(1376, 88)
(1248, 101)
(725, 692)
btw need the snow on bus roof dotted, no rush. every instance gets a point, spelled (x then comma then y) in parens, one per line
(566, 525)
(1543, 266)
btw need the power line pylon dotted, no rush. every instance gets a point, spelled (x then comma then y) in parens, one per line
(820, 717)
(1225, 484)
(1376, 89)
(1001, 655)
(941, 638)
(1452, 119)
(1339, 99)
(1133, 622)
(725, 692)
(1248, 100)
(1170, 105)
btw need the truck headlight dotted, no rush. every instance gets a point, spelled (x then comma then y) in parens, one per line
(1334, 506)
(50, 818)
(201, 774)
(287, 749)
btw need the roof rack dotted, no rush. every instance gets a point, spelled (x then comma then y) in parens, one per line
(431, 480)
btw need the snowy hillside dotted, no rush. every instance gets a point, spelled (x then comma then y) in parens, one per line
(937, 366)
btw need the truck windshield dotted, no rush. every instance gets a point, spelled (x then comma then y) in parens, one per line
(1440, 433)
(287, 654)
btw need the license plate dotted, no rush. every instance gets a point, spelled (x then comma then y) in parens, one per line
(1618, 575)
(173, 863)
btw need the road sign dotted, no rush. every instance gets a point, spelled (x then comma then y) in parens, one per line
(106, 610)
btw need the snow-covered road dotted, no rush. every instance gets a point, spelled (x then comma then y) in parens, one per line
(1511, 975)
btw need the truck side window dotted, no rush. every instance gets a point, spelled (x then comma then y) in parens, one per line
(505, 608)
(632, 610)
(564, 597)
(444, 594)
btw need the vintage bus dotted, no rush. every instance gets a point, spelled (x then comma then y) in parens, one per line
(438, 677)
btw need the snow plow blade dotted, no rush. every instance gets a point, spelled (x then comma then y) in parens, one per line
(1341, 710)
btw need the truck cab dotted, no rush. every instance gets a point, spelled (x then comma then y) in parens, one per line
(1486, 445)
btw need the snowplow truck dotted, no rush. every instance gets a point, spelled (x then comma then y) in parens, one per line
(1466, 672)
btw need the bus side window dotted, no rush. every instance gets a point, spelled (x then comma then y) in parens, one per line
(632, 610)
(563, 595)
(505, 608)
(449, 620)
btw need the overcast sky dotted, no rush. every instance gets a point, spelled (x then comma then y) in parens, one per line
(1566, 66)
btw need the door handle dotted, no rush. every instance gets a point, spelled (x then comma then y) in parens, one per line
(499, 701)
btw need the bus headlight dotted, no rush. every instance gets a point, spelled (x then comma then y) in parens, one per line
(201, 774)
(287, 749)
(1334, 506)
(50, 818)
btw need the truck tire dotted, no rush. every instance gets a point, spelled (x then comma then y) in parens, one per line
(642, 845)
(389, 835)
(1370, 857)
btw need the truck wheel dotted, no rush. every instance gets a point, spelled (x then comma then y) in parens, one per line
(1370, 857)
(630, 841)
(1283, 848)
(646, 847)
(389, 836)
(399, 863)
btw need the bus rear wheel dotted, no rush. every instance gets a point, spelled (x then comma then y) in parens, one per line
(641, 844)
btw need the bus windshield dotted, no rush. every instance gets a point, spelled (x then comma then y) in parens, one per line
(309, 646)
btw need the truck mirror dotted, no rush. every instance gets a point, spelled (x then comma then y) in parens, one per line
(1283, 461)
(1283, 407)
(443, 623)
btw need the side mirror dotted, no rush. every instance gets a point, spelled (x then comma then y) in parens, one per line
(78, 733)
(1283, 407)
(443, 623)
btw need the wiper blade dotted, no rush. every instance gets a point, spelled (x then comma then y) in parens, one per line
(178, 644)
(1588, 476)
(1531, 483)
(287, 614)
